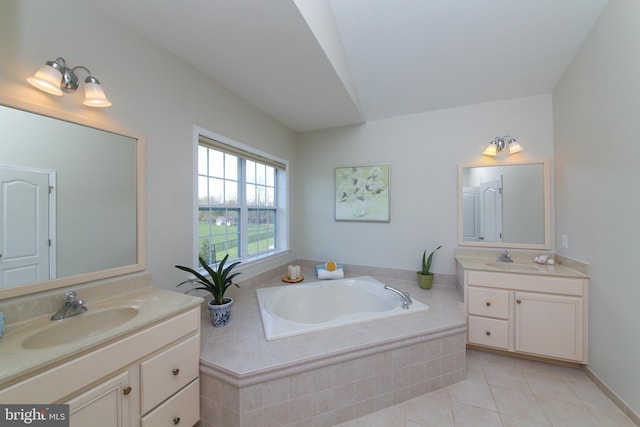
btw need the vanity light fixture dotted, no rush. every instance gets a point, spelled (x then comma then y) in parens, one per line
(499, 144)
(56, 78)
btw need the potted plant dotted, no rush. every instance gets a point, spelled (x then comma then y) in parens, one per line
(217, 284)
(425, 276)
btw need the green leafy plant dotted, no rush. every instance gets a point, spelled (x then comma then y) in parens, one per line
(218, 282)
(426, 261)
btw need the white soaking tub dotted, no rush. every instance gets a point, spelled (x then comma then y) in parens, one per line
(297, 309)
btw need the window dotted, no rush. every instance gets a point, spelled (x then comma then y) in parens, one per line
(240, 200)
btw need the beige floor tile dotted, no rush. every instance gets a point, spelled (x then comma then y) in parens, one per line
(473, 393)
(567, 414)
(511, 421)
(472, 416)
(494, 395)
(542, 385)
(505, 376)
(574, 374)
(606, 418)
(592, 396)
(474, 368)
(519, 404)
(431, 410)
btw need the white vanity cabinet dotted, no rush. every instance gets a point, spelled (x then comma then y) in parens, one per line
(550, 325)
(106, 404)
(149, 377)
(538, 315)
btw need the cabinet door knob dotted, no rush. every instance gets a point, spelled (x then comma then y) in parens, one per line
(488, 333)
(518, 300)
(488, 303)
(126, 390)
(175, 371)
(176, 420)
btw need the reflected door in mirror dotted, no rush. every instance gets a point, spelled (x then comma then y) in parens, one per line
(24, 226)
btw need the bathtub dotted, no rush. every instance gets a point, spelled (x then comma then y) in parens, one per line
(297, 309)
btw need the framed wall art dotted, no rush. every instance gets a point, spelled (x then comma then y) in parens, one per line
(362, 193)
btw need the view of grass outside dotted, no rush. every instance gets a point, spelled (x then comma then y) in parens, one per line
(222, 237)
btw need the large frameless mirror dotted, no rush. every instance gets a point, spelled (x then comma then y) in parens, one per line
(71, 200)
(504, 205)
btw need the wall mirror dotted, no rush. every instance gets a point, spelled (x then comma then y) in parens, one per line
(505, 205)
(71, 200)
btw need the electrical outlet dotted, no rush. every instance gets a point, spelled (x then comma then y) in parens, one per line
(565, 241)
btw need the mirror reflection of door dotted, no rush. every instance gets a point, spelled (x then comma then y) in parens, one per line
(471, 214)
(482, 212)
(25, 206)
(491, 210)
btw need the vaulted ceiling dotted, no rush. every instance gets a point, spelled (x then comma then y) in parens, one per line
(314, 64)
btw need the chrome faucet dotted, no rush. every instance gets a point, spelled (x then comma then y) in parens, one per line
(505, 257)
(72, 306)
(406, 299)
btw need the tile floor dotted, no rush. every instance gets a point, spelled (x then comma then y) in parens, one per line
(503, 391)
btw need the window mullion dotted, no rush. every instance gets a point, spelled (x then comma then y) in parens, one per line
(244, 214)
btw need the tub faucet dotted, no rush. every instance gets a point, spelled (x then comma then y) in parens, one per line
(505, 257)
(72, 306)
(406, 299)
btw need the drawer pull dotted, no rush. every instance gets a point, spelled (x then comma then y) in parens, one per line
(126, 390)
(176, 371)
(519, 301)
(488, 303)
(488, 333)
(176, 421)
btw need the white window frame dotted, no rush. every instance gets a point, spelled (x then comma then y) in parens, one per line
(282, 198)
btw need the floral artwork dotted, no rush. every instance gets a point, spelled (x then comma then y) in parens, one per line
(362, 193)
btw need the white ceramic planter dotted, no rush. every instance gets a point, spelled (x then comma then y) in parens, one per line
(220, 313)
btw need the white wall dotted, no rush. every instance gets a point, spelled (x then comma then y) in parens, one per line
(423, 151)
(153, 93)
(596, 115)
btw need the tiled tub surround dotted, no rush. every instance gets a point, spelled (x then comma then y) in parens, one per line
(328, 377)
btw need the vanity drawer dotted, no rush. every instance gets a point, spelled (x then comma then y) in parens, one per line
(169, 371)
(489, 332)
(183, 409)
(488, 302)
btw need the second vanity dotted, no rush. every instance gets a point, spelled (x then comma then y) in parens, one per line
(141, 369)
(538, 311)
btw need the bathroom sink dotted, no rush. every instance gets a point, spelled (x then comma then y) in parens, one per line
(79, 327)
(512, 266)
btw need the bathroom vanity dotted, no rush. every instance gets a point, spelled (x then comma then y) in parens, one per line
(143, 372)
(524, 308)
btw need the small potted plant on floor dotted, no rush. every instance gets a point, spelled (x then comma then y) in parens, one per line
(425, 276)
(217, 283)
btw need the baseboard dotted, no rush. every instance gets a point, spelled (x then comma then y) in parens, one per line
(635, 418)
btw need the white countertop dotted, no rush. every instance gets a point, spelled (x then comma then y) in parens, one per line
(485, 264)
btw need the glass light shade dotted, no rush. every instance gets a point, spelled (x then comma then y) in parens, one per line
(47, 79)
(94, 95)
(491, 150)
(515, 147)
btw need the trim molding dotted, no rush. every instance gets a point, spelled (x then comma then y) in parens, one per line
(635, 418)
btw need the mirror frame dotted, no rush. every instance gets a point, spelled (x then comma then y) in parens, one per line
(140, 264)
(547, 207)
